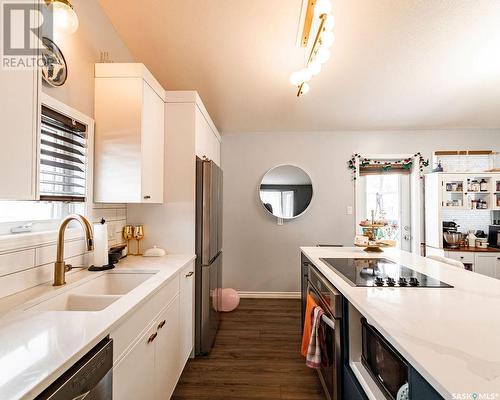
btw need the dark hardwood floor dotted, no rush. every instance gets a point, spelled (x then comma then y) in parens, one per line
(256, 356)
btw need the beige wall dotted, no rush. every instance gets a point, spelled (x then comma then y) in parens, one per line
(259, 255)
(81, 50)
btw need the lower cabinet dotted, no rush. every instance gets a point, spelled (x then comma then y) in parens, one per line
(186, 279)
(351, 388)
(167, 352)
(133, 376)
(488, 264)
(150, 365)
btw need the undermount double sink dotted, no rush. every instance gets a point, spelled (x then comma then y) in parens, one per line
(95, 294)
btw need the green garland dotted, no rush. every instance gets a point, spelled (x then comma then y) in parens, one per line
(385, 166)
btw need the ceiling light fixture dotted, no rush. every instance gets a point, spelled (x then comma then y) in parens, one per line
(64, 16)
(318, 12)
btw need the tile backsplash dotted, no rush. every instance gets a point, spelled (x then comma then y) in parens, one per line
(466, 163)
(23, 267)
(469, 219)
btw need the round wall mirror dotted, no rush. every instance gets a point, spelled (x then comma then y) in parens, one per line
(286, 191)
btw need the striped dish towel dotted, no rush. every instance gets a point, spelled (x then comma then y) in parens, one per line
(313, 359)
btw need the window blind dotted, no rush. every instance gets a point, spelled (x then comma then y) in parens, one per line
(63, 158)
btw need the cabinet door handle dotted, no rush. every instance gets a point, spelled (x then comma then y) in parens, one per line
(147, 197)
(191, 273)
(152, 337)
(461, 257)
(162, 324)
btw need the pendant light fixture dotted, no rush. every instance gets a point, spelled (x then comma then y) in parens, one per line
(64, 15)
(317, 14)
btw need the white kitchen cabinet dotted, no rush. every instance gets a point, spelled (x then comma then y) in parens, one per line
(133, 377)
(20, 115)
(187, 313)
(168, 350)
(207, 139)
(189, 132)
(488, 264)
(152, 345)
(129, 136)
(151, 369)
(448, 195)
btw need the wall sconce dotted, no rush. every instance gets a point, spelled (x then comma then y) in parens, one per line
(64, 16)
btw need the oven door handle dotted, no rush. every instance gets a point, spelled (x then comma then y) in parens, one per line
(328, 321)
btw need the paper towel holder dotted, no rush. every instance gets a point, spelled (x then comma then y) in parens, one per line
(102, 267)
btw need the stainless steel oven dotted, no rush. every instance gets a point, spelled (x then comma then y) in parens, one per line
(330, 300)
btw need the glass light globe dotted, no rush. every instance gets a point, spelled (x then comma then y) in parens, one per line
(329, 23)
(65, 17)
(306, 75)
(323, 55)
(296, 78)
(322, 7)
(314, 67)
(305, 88)
(327, 40)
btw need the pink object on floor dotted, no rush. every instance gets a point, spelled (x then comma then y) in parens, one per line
(230, 299)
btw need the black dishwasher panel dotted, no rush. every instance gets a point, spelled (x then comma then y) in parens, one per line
(90, 378)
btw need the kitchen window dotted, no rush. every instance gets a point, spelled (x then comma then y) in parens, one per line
(62, 172)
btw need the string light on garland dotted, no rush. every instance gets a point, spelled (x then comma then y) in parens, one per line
(386, 166)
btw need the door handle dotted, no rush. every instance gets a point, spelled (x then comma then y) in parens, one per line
(147, 197)
(152, 337)
(191, 273)
(162, 324)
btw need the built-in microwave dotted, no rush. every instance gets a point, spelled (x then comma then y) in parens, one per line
(386, 366)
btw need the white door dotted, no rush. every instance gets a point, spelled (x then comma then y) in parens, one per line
(186, 300)
(388, 196)
(19, 113)
(152, 146)
(133, 377)
(167, 370)
(486, 265)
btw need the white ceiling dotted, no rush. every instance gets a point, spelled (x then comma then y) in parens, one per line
(396, 64)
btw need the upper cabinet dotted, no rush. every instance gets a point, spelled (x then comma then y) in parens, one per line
(207, 141)
(129, 137)
(20, 115)
(187, 113)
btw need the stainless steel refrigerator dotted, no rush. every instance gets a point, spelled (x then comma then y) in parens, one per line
(208, 253)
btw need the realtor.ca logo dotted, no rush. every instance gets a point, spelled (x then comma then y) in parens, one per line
(23, 24)
(475, 396)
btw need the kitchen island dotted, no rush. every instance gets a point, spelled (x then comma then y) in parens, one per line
(448, 335)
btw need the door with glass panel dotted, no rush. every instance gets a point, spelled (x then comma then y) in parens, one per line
(387, 196)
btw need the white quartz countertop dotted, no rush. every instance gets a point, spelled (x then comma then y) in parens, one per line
(36, 347)
(451, 336)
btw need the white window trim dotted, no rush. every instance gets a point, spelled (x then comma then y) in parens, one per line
(16, 241)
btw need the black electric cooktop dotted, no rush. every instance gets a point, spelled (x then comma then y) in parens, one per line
(380, 272)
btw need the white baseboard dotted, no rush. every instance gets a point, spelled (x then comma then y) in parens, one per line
(269, 295)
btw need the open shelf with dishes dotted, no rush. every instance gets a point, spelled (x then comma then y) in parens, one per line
(474, 196)
(469, 191)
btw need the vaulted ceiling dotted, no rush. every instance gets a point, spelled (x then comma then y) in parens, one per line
(396, 64)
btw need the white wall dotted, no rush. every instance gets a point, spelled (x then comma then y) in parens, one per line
(82, 50)
(259, 255)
